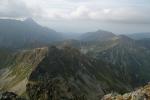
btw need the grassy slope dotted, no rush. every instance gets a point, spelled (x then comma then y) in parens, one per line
(18, 67)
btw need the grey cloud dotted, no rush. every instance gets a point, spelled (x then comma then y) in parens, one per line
(43, 11)
(13, 8)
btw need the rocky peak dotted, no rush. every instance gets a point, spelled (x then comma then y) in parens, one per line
(143, 93)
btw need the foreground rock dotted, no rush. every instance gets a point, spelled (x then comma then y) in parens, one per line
(142, 93)
(10, 96)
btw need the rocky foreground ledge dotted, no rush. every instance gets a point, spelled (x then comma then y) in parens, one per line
(142, 93)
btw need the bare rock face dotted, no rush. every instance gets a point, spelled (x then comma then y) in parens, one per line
(142, 93)
(8, 95)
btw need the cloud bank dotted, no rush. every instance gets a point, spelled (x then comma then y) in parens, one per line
(95, 10)
(81, 14)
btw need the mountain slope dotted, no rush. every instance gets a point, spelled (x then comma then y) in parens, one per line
(17, 67)
(131, 57)
(21, 34)
(126, 54)
(72, 70)
(99, 35)
(71, 73)
(145, 42)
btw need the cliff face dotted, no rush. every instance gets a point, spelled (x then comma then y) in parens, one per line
(142, 93)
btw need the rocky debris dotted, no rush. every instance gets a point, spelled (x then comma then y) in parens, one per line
(52, 90)
(142, 93)
(7, 96)
(10, 96)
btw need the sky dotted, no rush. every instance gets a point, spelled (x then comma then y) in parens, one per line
(78, 16)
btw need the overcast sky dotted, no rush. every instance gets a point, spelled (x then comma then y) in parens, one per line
(118, 16)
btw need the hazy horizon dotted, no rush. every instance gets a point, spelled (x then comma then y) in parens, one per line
(80, 16)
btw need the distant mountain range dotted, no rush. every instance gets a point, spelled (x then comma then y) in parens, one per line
(139, 36)
(20, 34)
(38, 63)
(99, 35)
(121, 51)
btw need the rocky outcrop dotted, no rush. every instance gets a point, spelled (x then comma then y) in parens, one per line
(10, 96)
(142, 93)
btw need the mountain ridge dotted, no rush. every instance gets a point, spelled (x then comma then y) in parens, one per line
(67, 66)
(139, 36)
(99, 35)
(20, 34)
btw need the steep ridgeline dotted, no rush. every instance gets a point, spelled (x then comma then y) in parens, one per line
(58, 73)
(16, 34)
(67, 74)
(131, 57)
(15, 68)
